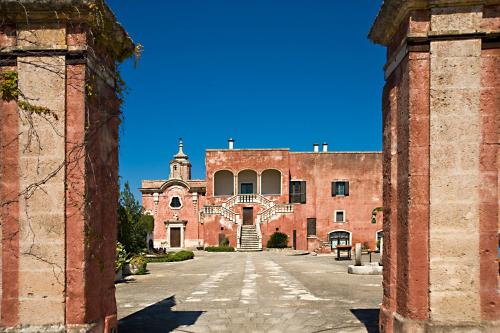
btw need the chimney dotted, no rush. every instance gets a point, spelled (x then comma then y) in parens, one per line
(316, 148)
(231, 143)
(325, 147)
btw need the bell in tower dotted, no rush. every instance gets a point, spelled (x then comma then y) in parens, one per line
(180, 167)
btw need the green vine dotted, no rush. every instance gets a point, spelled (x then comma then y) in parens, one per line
(374, 214)
(10, 92)
(8, 86)
(103, 25)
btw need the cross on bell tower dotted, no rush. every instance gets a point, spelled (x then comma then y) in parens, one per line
(180, 167)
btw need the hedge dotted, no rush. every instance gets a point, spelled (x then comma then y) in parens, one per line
(172, 256)
(219, 249)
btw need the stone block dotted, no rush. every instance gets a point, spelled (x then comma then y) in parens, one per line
(41, 311)
(456, 19)
(43, 226)
(453, 246)
(47, 36)
(35, 287)
(456, 72)
(456, 307)
(458, 187)
(455, 48)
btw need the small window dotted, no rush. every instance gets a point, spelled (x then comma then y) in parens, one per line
(311, 227)
(339, 216)
(340, 188)
(298, 192)
(175, 202)
(246, 188)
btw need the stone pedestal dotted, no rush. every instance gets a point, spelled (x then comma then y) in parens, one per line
(58, 165)
(441, 107)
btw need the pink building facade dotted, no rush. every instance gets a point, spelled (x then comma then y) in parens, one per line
(319, 199)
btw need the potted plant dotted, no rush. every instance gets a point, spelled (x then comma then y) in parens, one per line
(121, 258)
(138, 265)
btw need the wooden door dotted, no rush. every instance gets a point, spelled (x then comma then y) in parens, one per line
(175, 237)
(247, 215)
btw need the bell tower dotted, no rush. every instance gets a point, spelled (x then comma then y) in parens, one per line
(180, 167)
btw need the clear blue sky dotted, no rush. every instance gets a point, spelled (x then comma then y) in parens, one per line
(269, 73)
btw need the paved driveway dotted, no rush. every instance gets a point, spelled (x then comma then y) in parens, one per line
(250, 292)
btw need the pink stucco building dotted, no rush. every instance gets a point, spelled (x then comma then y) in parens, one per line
(319, 198)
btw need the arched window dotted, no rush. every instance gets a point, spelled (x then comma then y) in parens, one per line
(247, 182)
(340, 238)
(270, 181)
(223, 183)
(175, 202)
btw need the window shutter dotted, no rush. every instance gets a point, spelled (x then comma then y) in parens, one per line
(333, 189)
(346, 188)
(303, 192)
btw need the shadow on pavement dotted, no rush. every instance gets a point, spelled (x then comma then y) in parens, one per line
(157, 318)
(369, 317)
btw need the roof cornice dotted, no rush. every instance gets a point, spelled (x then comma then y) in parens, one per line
(393, 12)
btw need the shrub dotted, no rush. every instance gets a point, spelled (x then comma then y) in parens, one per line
(172, 256)
(138, 265)
(183, 255)
(219, 249)
(278, 240)
(121, 256)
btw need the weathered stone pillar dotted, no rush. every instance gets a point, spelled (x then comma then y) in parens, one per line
(59, 116)
(441, 110)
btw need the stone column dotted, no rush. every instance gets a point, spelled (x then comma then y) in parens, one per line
(59, 165)
(235, 185)
(441, 122)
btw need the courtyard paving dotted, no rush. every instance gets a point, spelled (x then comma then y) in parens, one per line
(250, 292)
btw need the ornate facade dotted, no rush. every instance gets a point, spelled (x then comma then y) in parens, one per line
(319, 199)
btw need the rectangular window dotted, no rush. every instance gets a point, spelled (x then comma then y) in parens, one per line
(298, 191)
(311, 227)
(340, 188)
(339, 216)
(246, 188)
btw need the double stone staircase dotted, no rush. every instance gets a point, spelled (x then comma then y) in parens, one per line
(249, 241)
(249, 237)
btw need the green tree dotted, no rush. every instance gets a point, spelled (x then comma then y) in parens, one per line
(133, 225)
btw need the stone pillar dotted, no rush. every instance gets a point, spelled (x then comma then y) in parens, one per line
(357, 254)
(441, 111)
(59, 165)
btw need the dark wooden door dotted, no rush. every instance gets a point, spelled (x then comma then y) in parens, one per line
(247, 215)
(175, 237)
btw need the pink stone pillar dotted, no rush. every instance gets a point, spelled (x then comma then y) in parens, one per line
(441, 108)
(59, 166)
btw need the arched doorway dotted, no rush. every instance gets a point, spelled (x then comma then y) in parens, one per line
(339, 237)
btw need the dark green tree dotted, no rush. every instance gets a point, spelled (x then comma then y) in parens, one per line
(133, 226)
